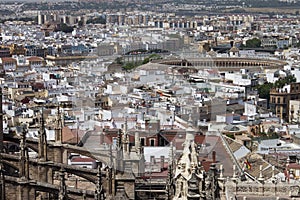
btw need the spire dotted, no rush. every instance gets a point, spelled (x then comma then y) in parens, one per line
(23, 152)
(26, 163)
(98, 193)
(58, 134)
(109, 172)
(2, 181)
(125, 138)
(42, 139)
(119, 162)
(62, 187)
(169, 184)
(109, 175)
(111, 163)
(171, 154)
(214, 190)
(137, 143)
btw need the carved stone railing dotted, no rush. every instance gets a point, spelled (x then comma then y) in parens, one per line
(268, 189)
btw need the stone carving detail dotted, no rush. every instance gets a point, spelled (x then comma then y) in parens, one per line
(191, 181)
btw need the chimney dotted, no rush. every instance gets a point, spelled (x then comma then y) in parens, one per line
(162, 162)
(101, 138)
(214, 157)
(152, 159)
(137, 140)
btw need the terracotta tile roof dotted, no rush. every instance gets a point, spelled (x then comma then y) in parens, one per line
(82, 159)
(294, 166)
(234, 146)
(35, 58)
(8, 59)
(70, 135)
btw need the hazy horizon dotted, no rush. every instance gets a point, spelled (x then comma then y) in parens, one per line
(37, 1)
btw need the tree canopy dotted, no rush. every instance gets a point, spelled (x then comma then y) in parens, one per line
(264, 90)
(64, 28)
(96, 20)
(253, 43)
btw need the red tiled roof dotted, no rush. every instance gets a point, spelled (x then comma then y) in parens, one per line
(8, 59)
(294, 166)
(70, 135)
(80, 159)
(35, 58)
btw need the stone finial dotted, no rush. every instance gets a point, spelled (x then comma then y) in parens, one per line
(58, 135)
(221, 171)
(260, 171)
(42, 139)
(111, 163)
(171, 153)
(273, 171)
(98, 191)
(137, 142)
(234, 171)
(190, 120)
(261, 178)
(62, 188)
(23, 154)
(84, 195)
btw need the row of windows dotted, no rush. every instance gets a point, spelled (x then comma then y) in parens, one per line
(292, 87)
(278, 100)
(142, 141)
(283, 100)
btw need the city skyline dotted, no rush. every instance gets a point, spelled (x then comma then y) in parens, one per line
(149, 100)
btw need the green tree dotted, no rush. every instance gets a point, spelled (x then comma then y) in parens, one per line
(64, 28)
(96, 20)
(80, 23)
(129, 66)
(119, 60)
(146, 60)
(264, 90)
(253, 43)
(151, 57)
(285, 81)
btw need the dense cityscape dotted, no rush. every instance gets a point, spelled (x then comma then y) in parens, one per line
(164, 100)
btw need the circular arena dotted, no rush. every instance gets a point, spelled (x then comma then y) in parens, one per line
(224, 64)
